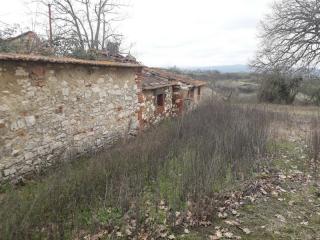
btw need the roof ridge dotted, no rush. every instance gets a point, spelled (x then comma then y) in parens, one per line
(21, 35)
(51, 59)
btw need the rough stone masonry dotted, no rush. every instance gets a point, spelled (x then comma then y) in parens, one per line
(54, 110)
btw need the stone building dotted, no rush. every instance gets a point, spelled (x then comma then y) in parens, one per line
(167, 94)
(157, 97)
(54, 109)
(27, 42)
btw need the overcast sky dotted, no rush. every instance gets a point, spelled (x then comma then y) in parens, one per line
(181, 32)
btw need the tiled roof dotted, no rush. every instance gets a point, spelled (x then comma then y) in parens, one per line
(45, 59)
(152, 80)
(173, 77)
(30, 33)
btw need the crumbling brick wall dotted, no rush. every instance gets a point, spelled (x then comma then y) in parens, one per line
(51, 112)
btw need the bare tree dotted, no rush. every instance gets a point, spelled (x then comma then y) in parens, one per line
(7, 30)
(84, 25)
(290, 37)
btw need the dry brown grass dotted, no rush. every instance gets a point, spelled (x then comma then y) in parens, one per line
(182, 159)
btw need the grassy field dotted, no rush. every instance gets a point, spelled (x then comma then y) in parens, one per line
(137, 188)
(221, 172)
(280, 203)
(283, 200)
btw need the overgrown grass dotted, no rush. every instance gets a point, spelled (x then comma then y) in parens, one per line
(314, 143)
(181, 159)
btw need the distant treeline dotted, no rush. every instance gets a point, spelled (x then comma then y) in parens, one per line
(209, 75)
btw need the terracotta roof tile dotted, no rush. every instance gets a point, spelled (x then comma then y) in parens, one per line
(176, 77)
(154, 81)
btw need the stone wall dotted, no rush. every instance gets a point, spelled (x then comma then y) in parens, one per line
(151, 114)
(51, 112)
(191, 98)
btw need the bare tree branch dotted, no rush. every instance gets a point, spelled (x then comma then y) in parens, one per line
(290, 37)
(88, 23)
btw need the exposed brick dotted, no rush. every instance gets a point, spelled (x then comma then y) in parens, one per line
(59, 110)
(38, 72)
(24, 113)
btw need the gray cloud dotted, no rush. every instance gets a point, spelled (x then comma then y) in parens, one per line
(181, 32)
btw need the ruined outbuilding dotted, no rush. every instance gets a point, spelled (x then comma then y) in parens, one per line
(53, 109)
(28, 42)
(168, 94)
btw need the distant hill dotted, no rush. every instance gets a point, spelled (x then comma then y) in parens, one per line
(224, 68)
